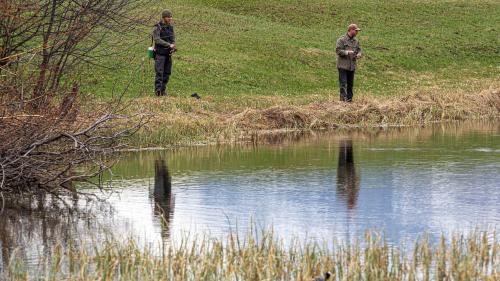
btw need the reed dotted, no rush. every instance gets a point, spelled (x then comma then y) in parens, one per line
(260, 255)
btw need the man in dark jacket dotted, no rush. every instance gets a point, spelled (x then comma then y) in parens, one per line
(348, 52)
(164, 40)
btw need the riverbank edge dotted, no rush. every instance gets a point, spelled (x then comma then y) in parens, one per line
(179, 122)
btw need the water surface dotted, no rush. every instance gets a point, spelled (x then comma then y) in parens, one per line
(325, 186)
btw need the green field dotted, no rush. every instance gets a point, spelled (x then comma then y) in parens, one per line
(287, 48)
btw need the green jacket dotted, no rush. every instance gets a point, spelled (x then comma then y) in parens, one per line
(344, 44)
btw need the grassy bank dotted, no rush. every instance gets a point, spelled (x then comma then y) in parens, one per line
(244, 57)
(287, 48)
(180, 121)
(475, 256)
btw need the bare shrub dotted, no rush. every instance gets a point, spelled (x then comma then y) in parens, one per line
(46, 141)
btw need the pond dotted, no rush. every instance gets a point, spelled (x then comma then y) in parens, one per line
(403, 182)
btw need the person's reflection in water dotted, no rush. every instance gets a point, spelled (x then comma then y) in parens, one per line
(347, 178)
(162, 195)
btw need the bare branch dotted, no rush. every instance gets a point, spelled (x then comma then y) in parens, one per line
(44, 136)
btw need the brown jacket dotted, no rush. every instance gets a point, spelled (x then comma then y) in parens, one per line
(344, 44)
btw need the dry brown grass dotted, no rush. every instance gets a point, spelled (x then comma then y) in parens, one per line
(421, 107)
(187, 121)
(263, 256)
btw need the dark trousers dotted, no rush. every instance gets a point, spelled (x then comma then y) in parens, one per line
(163, 69)
(346, 83)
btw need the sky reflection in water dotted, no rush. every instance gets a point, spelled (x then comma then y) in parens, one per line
(329, 186)
(402, 182)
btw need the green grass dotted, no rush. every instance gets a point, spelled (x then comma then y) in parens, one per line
(287, 48)
(262, 256)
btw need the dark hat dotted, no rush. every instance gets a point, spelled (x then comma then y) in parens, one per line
(166, 14)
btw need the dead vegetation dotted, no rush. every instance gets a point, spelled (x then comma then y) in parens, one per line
(40, 149)
(416, 108)
(181, 121)
(46, 141)
(261, 255)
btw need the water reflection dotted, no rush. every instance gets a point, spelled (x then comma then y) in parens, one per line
(414, 180)
(347, 177)
(162, 196)
(278, 138)
(30, 225)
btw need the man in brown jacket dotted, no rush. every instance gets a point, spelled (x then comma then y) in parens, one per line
(348, 52)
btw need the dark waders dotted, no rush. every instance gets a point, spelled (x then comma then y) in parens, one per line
(346, 83)
(163, 69)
